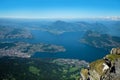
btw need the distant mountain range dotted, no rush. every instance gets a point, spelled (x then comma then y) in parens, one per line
(60, 26)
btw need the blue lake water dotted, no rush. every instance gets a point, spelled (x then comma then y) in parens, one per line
(70, 41)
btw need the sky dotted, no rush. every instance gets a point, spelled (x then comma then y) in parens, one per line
(59, 8)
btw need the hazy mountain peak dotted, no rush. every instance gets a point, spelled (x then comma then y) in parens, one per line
(59, 22)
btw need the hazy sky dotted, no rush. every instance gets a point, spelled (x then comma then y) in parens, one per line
(59, 8)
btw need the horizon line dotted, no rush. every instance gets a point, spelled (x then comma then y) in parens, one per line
(103, 17)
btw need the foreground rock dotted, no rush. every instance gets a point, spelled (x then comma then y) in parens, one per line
(115, 51)
(107, 68)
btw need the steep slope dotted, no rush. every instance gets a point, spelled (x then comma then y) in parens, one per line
(107, 68)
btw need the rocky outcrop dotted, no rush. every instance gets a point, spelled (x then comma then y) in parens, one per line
(107, 68)
(115, 51)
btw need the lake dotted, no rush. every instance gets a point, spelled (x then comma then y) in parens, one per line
(70, 41)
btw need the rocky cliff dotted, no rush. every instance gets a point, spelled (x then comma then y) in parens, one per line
(107, 68)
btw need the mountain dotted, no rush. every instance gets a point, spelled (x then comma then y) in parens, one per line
(59, 27)
(107, 68)
(98, 40)
(7, 32)
(95, 26)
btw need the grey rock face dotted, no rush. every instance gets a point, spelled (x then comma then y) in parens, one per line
(115, 51)
(114, 75)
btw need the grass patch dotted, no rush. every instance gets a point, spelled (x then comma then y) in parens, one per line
(112, 57)
(97, 66)
(34, 70)
(73, 69)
